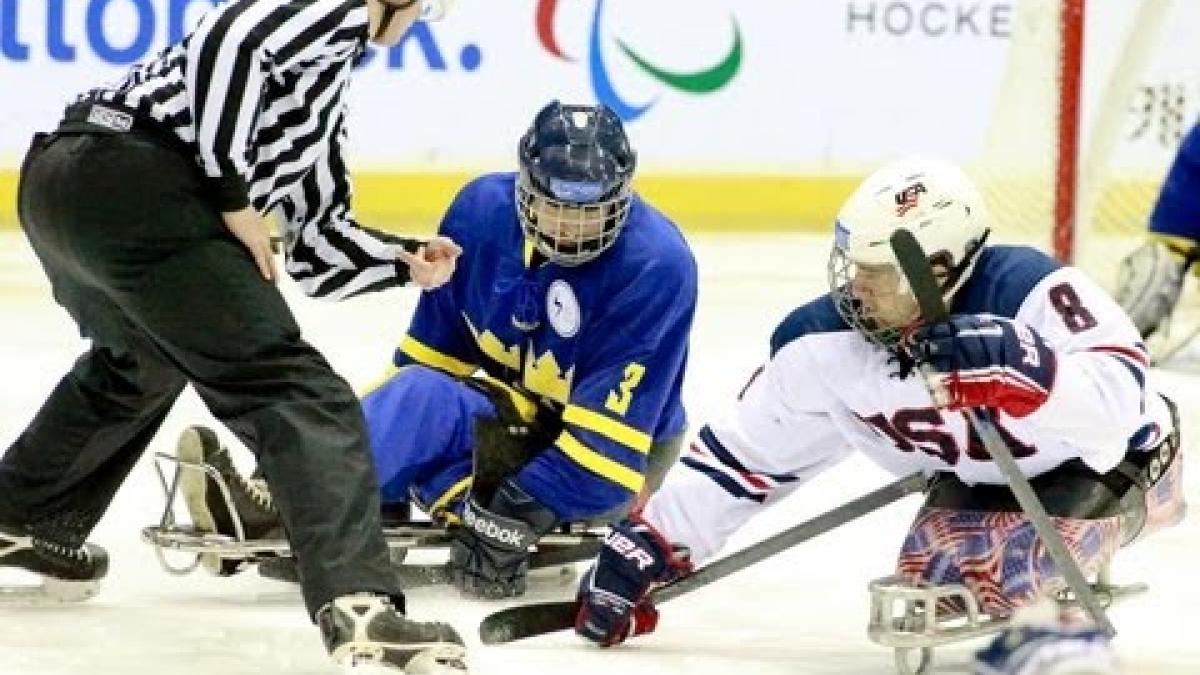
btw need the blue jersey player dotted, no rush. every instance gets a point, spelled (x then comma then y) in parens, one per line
(556, 352)
(1152, 276)
(541, 384)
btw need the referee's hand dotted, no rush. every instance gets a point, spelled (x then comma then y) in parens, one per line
(250, 229)
(432, 264)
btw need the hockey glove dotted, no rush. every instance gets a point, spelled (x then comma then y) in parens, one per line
(489, 557)
(612, 595)
(1150, 281)
(985, 361)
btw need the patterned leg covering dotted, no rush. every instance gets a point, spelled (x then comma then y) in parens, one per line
(998, 555)
(1165, 505)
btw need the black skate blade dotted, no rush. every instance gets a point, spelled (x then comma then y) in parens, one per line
(525, 621)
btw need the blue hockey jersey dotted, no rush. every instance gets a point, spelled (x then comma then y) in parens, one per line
(603, 344)
(1177, 211)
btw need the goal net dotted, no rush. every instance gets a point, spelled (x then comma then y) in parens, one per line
(1095, 97)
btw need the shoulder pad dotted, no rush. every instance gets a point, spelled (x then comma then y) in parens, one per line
(818, 316)
(1002, 279)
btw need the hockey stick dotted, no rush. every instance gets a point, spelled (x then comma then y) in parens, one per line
(933, 308)
(516, 623)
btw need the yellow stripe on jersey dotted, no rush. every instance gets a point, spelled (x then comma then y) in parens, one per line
(599, 464)
(432, 357)
(454, 491)
(1179, 247)
(527, 251)
(607, 426)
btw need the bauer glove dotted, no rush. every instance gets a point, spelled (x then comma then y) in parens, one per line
(613, 602)
(985, 361)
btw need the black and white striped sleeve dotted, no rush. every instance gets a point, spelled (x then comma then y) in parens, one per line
(328, 253)
(229, 57)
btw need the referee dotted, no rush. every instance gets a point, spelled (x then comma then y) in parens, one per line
(145, 209)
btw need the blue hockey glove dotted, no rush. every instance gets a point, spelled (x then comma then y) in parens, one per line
(1032, 649)
(985, 361)
(489, 557)
(612, 595)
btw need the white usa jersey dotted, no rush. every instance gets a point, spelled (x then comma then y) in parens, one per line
(827, 392)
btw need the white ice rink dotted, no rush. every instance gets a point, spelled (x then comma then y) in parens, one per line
(804, 611)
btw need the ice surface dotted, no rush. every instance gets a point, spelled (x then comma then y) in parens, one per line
(804, 611)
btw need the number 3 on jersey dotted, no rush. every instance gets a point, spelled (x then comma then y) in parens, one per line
(619, 399)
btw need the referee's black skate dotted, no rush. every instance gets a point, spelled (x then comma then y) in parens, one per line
(248, 513)
(67, 573)
(367, 629)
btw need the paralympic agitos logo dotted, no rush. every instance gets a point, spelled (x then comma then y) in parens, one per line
(704, 81)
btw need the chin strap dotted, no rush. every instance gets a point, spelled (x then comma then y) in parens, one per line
(957, 273)
(389, 11)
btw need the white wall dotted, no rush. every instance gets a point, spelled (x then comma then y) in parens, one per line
(823, 85)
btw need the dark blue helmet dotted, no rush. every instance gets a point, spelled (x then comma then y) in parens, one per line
(573, 191)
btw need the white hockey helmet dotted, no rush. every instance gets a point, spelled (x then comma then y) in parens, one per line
(931, 198)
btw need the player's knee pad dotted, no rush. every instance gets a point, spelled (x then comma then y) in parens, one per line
(998, 556)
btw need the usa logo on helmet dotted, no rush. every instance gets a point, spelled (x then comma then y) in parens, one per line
(906, 199)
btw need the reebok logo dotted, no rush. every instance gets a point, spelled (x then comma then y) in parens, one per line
(490, 529)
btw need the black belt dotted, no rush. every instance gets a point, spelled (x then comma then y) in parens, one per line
(94, 117)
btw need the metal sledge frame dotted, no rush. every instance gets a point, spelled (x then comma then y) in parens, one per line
(170, 535)
(906, 616)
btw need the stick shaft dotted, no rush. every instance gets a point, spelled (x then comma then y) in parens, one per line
(1036, 513)
(792, 536)
(524, 621)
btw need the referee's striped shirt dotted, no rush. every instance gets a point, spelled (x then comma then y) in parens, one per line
(258, 90)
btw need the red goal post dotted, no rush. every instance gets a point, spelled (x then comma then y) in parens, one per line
(1093, 101)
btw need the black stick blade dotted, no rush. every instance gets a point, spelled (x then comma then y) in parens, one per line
(920, 277)
(524, 621)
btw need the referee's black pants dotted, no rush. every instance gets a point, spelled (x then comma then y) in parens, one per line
(167, 296)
